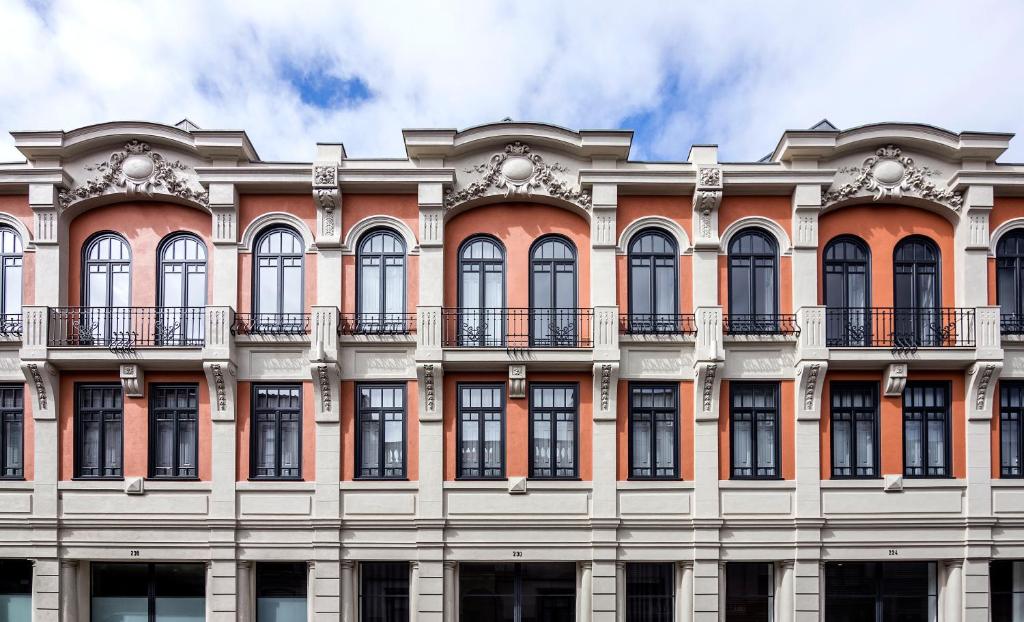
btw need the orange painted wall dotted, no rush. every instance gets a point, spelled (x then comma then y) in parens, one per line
(517, 226)
(348, 430)
(144, 225)
(778, 209)
(517, 421)
(676, 208)
(890, 411)
(136, 421)
(787, 427)
(1005, 208)
(17, 206)
(685, 431)
(882, 227)
(243, 419)
(250, 206)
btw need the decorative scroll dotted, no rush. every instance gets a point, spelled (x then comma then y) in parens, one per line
(37, 380)
(811, 382)
(890, 175)
(218, 383)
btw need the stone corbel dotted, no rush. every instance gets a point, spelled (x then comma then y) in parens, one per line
(606, 383)
(895, 379)
(981, 386)
(44, 384)
(133, 380)
(707, 197)
(517, 381)
(810, 377)
(327, 381)
(708, 386)
(327, 195)
(222, 380)
(429, 377)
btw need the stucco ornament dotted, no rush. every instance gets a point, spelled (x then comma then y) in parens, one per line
(518, 172)
(136, 169)
(890, 175)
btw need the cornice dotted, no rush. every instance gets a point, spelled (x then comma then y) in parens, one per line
(22, 177)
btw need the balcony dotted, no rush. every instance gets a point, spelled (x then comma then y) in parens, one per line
(1012, 324)
(10, 326)
(657, 324)
(900, 330)
(271, 324)
(377, 324)
(760, 325)
(517, 329)
(125, 329)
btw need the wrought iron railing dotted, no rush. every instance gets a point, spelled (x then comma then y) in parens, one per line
(126, 328)
(1011, 323)
(657, 324)
(517, 329)
(270, 324)
(899, 329)
(757, 324)
(10, 325)
(377, 324)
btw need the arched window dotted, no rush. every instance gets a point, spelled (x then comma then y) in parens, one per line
(481, 293)
(846, 265)
(278, 285)
(1010, 280)
(553, 293)
(107, 284)
(653, 283)
(10, 279)
(916, 293)
(753, 282)
(182, 289)
(381, 282)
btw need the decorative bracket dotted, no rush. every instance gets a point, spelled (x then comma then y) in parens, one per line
(707, 198)
(895, 379)
(132, 380)
(709, 385)
(327, 195)
(517, 381)
(810, 377)
(429, 376)
(45, 384)
(606, 383)
(327, 380)
(221, 377)
(981, 386)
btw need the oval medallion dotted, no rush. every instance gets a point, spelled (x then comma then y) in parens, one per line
(889, 172)
(517, 169)
(137, 167)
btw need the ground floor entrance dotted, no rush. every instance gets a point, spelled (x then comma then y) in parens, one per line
(15, 589)
(128, 592)
(503, 592)
(881, 592)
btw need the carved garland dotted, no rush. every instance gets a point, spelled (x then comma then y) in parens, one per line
(518, 172)
(325, 388)
(812, 380)
(709, 386)
(983, 382)
(606, 381)
(889, 175)
(428, 386)
(136, 169)
(37, 379)
(218, 384)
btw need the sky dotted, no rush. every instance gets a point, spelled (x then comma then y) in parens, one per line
(736, 74)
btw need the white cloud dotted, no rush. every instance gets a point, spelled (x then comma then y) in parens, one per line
(735, 73)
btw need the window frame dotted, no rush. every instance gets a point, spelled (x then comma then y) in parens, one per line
(652, 602)
(674, 253)
(502, 319)
(256, 286)
(358, 453)
(459, 468)
(18, 415)
(1018, 271)
(946, 387)
(547, 339)
(253, 454)
(152, 585)
(151, 415)
(575, 388)
(758, 231)
(1016, 385)
(4, 257)
(383, 581)
(676, 450)
(79, 437)
(734, 385)
(855, 385)
(167, 241)
(926, 241)
(382, 315)
(86, 262)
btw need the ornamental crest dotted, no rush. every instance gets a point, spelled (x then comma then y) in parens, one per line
(518, 172)
(890, 175)
(137, 170)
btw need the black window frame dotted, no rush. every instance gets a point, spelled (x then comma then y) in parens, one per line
(854, 323)
(1012, 319)
(9, 415)
(86, 263)
(285, 319)
(161, 261)
(532, 410)
(883, 583)
(154, 410)
(382, 321)
(873, 389)
(295, 571)
(181, 323)
(1017, 413)
(736, 601)
(916, 325)
(79, 436)
(755, 322)
(475, 333)
(151, 580)
(253, 457)
(17, 256)
(673, 388)
(563, 315)
(947, 393)
(359, 411)
(385, 574)
(650, 607)
(734, 387)
(459, 410)
(652, 320)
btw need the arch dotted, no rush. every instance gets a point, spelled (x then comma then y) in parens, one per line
(947, 213)
(380, 221)
(1003, 229)
(783, 245)
(267, 221)
(27, 243)
(12, 255)
(380, 302)
(274, 264)
(531, 199)
(1010, 275)
(674, 229)
(107, 267)
(482, 257)
(754, 298)
(188, 251)
(647, 266)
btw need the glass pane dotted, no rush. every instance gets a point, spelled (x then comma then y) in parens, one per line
(370, 445)
(841, 445)
(642, 458)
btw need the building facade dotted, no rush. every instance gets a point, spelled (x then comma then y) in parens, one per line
(512, 376)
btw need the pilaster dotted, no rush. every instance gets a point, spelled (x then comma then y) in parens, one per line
(224, 214)
(222, 383)
(971, 246)
(707, 198)
(43, 392)
(327, 197)
(605, 492)
(806, 207)
(708, 367)
(325, 372)
(811, 367)
(50, 239)
(47, 590)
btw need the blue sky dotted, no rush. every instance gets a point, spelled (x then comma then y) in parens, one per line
(293, 73)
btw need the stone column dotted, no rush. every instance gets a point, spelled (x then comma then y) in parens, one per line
(953, 596)
(414, 591)
(68, 590)
(620, 590)
(784, 598)
(244, 583)
(348, 596)
(450, 592)
(684, 592)
(586, 595)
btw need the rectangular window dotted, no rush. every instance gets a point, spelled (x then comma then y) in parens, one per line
(384, 592)
(276, 432)
(506, 592)
(99, 419)
(12, 430)
(649, 592)
(854, 407)
(749, 592)
(380, 421)
(174, 430)
(1011, 418)
(155, 592)
(1006, 579)
(653, 431)
(281, 592)
(880, 591)
(553, 430)
(15, 589)
(481, 431)
(754, 412)
(926, 429)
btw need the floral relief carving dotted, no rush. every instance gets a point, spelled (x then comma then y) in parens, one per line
(518, 172)
(606, 381)
(708, 388)
(325, 175)
(218, 383)
(37, 380)
(983, 381)
(325, 388)
(710, 177)
(136, 169)
(428, 386)
(889, 174)
(811, 383)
